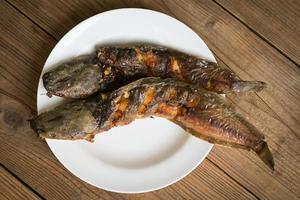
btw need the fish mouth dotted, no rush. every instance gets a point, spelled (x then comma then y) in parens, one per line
(56, 83)
(71, 121)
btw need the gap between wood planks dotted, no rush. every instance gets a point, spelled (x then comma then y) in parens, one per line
(21, 181)
(258, 34)
(217, 166)
(37, 24)
(40, 27)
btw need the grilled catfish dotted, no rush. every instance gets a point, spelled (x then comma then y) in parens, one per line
(112, 67)
(202, 113)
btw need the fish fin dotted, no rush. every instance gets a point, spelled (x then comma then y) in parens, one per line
(265, 155)
(247, 86)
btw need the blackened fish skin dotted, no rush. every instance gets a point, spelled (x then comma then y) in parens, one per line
(112, 67)
(74, 79)
(200, 112)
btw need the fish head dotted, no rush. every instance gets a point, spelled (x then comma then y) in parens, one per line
(78, 78)
(72, 121)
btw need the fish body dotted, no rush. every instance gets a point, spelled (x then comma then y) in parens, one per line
(200, 112)
(112, 67)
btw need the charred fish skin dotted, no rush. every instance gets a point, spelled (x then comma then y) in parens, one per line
(82, 77)
(202, 113)
(112, 67)
(194, 107)
(144, 61)
(76, 78)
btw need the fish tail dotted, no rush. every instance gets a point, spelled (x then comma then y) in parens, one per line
(265, 155)
(246, 86)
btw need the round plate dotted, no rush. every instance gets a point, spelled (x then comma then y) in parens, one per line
(149, 153)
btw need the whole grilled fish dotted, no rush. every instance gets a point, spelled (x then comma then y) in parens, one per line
(202, 113)
(112, 67)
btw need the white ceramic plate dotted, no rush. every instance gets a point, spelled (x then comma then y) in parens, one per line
(149, 153)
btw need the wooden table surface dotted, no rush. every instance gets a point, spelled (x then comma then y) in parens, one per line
(259, 40)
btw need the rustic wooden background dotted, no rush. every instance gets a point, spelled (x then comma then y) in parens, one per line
(258, 39)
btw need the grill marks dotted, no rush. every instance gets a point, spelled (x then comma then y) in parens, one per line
(157, 99)
(148, 98)
(195, 108)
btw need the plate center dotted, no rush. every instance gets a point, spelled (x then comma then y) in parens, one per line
(144, 142)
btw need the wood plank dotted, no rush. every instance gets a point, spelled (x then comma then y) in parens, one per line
(247, 55)
(22, 59)
(276, 21)
(31, 160)
(12, 188)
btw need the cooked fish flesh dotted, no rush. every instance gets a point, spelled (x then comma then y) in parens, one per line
(202, 113)
(112, 67)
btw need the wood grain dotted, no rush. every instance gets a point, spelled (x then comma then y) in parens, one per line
(246, 54)
(12, 188)
(276, 21)
(31, 160)
(21, 58)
